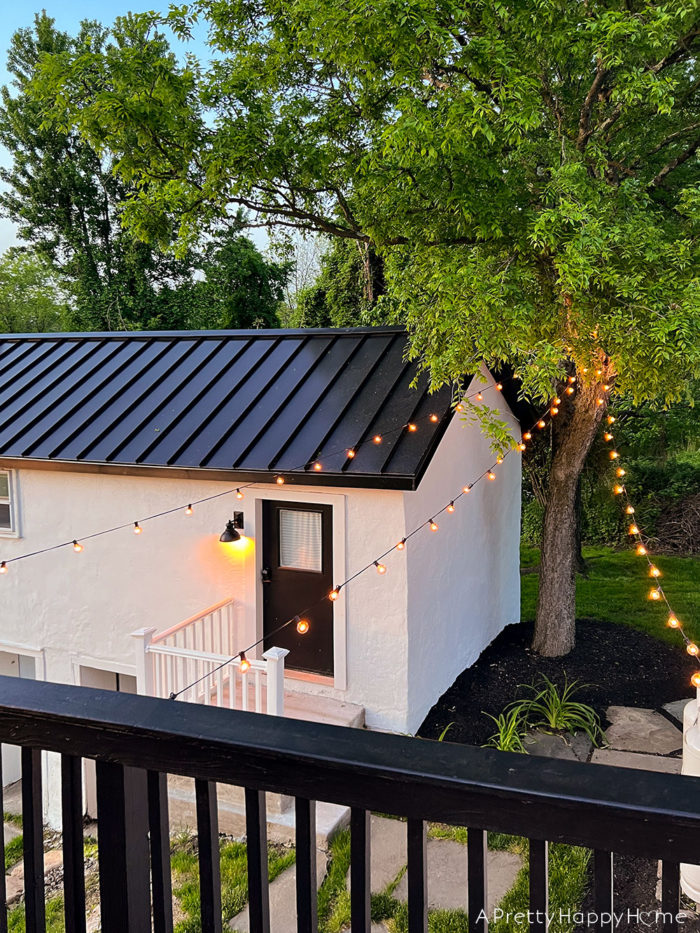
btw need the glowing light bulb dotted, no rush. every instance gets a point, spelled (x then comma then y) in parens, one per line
(695, 679)
(554, 410)
(600, 401)
(450, 507)
(334, 594)
(381, 569)
(434, 418)
(466, 489)
(606, 388)
(412, 427)
(584, 370)
(620, 472)
(572, 378)
(499, 386)
(611, 419)
(77, 547)
(137, 528)
(618, 490)
(239, 494)
(633, 530)
(3, 567)
(189, 510)
(244, 666)
(607, 436)
(599, 372)
(491, 474)
(654, 572)
(377, 438)
(540, 424)
(570, 390)
(279, 480)
(303, 626)
(641, 550)
(614, 455)
(692, 648)
(479, 397)
(318, 467)
(527, 436)
(350, 453)
(630, 510)
(557, 401)
(499, 459)
(401, 545)
(654, 594)
(433, 525)
(522, 446)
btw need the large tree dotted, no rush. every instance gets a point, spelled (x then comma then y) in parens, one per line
(527, 171)
(32, 296)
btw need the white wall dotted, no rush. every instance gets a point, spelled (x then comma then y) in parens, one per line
(464, 579)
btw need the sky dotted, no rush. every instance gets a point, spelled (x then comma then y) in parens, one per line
(68, 15)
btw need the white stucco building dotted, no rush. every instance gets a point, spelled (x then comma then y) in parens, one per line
(100, 431)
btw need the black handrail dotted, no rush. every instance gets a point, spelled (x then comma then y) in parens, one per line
(607, 809)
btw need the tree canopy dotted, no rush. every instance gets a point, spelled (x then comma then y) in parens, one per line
(32, 297)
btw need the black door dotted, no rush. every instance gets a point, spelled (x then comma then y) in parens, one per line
(297, 578)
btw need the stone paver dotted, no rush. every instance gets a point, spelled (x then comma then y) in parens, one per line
(676, 708)
(636, 760)
(387, 851)
(10, 832)
(641, 730)
(447, 876)
(15, 880)
(572, 748)
(283, 917)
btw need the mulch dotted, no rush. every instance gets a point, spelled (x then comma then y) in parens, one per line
(615, 665)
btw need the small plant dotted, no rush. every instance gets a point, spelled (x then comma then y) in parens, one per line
(441, 737)
(556, 711)
(511, 729)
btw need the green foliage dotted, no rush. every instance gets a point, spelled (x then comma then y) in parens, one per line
(552, 709)
(13, 852)
(32, 297)
(616, 587)
(511, 728)
(55, 921)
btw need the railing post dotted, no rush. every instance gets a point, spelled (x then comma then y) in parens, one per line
(144, 665)
(275, 680)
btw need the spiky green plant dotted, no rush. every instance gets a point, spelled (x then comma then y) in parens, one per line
(511, 728)
(554, 710)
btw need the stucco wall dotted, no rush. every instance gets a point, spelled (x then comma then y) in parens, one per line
(464, 579)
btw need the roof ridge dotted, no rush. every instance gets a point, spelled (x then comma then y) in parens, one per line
(204, 334)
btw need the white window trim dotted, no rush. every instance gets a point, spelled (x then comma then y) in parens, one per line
(13, 499)
(78, 660)
(14, 647)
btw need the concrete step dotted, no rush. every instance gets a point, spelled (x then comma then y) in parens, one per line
(325, 710)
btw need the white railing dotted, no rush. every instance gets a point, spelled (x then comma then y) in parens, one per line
(196, 661)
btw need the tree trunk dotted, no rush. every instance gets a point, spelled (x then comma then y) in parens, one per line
(555, 623)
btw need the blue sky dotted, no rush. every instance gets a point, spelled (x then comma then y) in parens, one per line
(68, 14)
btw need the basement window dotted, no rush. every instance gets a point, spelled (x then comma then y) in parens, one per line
(8, 511)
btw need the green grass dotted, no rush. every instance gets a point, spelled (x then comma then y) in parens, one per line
(15, 818)
(55, 922)
(616, 590)
(234, 879)
(13, 852)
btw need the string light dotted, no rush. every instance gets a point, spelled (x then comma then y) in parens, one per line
(499, 460)
(572, 378)
(633, 530)
(491, 474)
(620, 472)
(137, 528)
(600, 401)
(401, 545)
(434, 418)
(433, 525)
(541, 424)
(527, 436)
(350, 453)
(460, 408)
(77, 547)
(317, 466)
(499, 386)
(522, 446)
(611, 419)
(692, 648)
(189, 510)
(479, 397)
(244, 666)
(377, 438)
(239, 494)
(630, 510)
(279, 480)
(695, 679)
(466, 489)
(381, 568)
(451, 507)
(334, 594)
(607, 436)
(654, 571)
(614, 455)
(557, 401)
(302, 625)
(641, 550)
(412, 427)
(618, 490)
(3, 567)
(554, 410)
(654, 594)
(569, 390)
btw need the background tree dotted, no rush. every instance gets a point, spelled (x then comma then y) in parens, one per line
(527, 172)
(32, 298)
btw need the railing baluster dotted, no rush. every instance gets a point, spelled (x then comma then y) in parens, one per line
(417, 877)
(539, 885)
(670, 895)
(244, 691)
(73, 852)
(307, 897)
(360, 878)
(603, 898)
(122, 848)
(220, 687)
(258, 692)
(256, 841)
(159, 829)
(3, 888)
(209, 860)
(477, 881)
(33, 834)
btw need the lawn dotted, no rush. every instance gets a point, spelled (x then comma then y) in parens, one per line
(616, 589)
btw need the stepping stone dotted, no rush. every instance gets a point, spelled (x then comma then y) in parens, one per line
(676, 708)
(572, 748)
(14, 882)
(641, 730)
(447, 876)
(283, 913)
(387, 852)
(609, 756)
(10, 831)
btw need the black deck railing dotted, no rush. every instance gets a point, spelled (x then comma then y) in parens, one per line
(136, 741)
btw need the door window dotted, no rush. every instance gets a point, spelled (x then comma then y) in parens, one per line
(300, 540)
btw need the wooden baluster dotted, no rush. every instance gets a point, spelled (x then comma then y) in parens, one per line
(220, 687)
(123, 850)
(209, 861)
(258, 692)
(477, 881)
(670, 896)
(3, 888)
(307, 887)
(360, 882)
(603, 900)
(256, 840)
(417, 877)
(539, 886)
(159, 830)
(33, 836)
(73, 851)
(244, 691)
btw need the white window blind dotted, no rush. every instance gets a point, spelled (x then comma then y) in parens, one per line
(300, 540)
(6, 518)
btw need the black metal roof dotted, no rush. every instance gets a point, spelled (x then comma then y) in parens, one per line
(244, 404)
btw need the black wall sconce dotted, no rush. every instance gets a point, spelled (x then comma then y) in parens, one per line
(233, 530)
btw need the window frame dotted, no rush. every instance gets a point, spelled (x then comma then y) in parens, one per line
(10, 499)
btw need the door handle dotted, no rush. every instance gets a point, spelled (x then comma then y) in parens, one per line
(265, 575)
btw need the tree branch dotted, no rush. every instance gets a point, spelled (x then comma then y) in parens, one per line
(584, 122)
(674, 163)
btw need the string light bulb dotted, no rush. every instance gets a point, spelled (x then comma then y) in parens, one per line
(673, 622)
(692, 648)
(522, 446)
(459, 408)
(620, 472)
(499, 386)
(630, 510)
(401, 545)
(527, 436)
(412, 427)
(654, 594)
(600, 401)
(189, 510)
(614, 455)
(334, 593)
(377, 438)
(572, 378)
(499, 460)
(633, 530)
(569, 390)
(654, 572)
(77, 547)
(433, 525)
(317, 466)
(554, 410)
(540, 424)
(479, 397)
(557, 401)
(451, 507)
(302, 626)
(350, 453)
(491, 475)
(611, 419)
(695, 679)
(381, 568)
(607, 436)
(279, 480)
(239, 494)
(641, 550)
(434, 418)
(467, 488)
(3, 567)
(244, 666)
(137, 528)
(618, 489)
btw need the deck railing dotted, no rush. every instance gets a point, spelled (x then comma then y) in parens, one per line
(195, 660)
(137, 741)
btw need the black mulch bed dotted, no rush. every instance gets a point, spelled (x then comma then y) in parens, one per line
(620, 667)
(615, 664)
